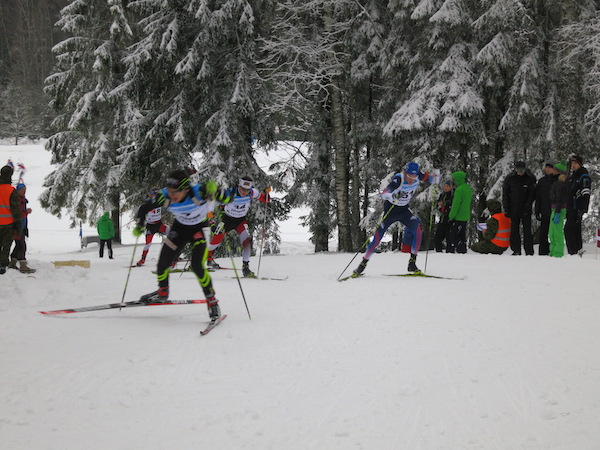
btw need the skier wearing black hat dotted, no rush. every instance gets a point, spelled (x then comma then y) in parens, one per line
(580, 186)
(518, 193)
(190, 205)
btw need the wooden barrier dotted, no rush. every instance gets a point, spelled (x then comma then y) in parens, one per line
(84, 263)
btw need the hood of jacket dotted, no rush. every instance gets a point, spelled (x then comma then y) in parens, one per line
(459, 177)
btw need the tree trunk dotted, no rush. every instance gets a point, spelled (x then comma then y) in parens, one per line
(341, 172)
(569, 87)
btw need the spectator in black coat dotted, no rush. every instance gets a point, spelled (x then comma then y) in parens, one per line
(580, 186)
(442, 231)
(518, 194)
(543, 208)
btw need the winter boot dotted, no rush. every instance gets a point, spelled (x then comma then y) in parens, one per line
(360, 269)
(2, 270)
(412, 264)
(246, 270)
(160, 296)
(13, 263)
(213, 308)
(24, 268)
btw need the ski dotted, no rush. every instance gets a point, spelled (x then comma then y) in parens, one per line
(213, 324)
(420, 274)
(119, 306)
(354, 275)
(212, 269)
(263, 278)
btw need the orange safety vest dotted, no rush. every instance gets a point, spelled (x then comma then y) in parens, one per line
(6, 217)
(502, 238)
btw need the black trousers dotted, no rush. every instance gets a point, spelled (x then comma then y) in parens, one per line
(515, 233)
(442, 233)
(108, 243)
(179, 236)
(544, 248)
(458, 236)
(573, 232)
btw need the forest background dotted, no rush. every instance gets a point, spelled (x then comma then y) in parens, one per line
(126, 91)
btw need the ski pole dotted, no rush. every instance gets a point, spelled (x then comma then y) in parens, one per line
(262, 239)
(130, 267)
(237, 277)
(366, 242)
(433, 195)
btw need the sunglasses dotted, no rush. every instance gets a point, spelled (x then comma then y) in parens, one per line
(180, 185)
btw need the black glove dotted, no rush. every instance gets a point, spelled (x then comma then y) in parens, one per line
(579, 215)
(538, 216)
(507, 214)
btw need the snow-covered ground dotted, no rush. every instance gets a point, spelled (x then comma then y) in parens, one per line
(507, 358)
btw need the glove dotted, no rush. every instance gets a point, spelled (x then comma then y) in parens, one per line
(556, 218)
(538, 216)
(507, 214)
(211, 187)
(579, 215)
(138, 230)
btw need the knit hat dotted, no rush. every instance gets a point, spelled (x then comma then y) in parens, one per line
(560, 168)
(448, 182)
(577, 158)
(412, 168)
(520, 165)
(493, 206)
(6, 172)
(20, 186)
(178, 179)
(548, 164)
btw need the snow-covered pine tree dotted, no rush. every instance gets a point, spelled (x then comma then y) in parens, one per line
(196, 98)
(88, 179)
(319, 55)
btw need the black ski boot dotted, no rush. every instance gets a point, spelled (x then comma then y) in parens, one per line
(360, 269)
(213, 308)
(412, 264)
(246, 270)
(160, 296)
(212, 265)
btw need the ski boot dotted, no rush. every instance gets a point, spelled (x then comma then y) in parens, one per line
(360, 269)
(246, 270)
(141, 262)
(212, 265)
(412, 264)
(213, 308)
(160, 296)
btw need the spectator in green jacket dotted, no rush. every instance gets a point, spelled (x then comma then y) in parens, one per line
(106, 232)
(460, 213)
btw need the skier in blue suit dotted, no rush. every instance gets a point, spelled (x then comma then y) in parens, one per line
(397, 196)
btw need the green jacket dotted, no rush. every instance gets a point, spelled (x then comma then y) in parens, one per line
(105, 227)
(461, 203)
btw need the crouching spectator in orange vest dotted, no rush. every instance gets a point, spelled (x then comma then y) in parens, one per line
(496, 236)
